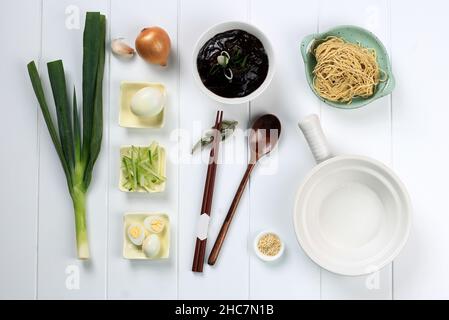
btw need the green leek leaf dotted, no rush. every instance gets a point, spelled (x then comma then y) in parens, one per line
(76, 128)
(58, 86)
(39, 92)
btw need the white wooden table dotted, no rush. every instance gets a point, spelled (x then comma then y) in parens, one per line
(407, 130)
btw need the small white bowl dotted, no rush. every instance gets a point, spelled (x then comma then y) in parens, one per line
(260, 254)
(222, 27)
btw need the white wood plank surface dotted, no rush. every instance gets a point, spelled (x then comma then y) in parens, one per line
(19, 145)
(274, 184)
(406, 131)
(58, 268)
(229, 277)
(420, 152)
(363, 131)
(133, 279)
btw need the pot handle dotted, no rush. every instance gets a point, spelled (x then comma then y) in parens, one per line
(311, 128)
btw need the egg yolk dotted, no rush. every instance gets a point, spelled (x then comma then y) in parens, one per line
(135, 232)
(157, 225)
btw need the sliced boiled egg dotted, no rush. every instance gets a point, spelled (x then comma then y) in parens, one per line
(136, 234)
(148, 101)
(154, 224)
(151, 246)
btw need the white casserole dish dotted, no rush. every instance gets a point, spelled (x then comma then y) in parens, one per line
(352, 214)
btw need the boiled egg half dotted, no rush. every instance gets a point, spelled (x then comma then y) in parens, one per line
(136, 234)
(154, 224)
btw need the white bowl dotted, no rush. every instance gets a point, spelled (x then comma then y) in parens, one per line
(261, 255)
(352, 215)
(222, 27)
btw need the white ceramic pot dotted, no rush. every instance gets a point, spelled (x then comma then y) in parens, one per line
(352, 214)
(222, 27)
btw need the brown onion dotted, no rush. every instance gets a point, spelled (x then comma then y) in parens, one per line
(153, 45)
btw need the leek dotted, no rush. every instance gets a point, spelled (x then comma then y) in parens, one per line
(77, 145)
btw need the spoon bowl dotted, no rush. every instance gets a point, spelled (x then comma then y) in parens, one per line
(264, 136)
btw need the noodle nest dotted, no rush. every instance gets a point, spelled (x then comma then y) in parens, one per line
(345, 70)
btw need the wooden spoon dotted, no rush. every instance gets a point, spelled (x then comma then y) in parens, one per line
(263, 138)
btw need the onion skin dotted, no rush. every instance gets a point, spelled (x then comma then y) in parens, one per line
(153, 45)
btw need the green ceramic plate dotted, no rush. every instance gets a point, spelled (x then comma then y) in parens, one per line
(355, 35)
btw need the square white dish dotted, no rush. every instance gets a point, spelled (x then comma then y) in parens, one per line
(127, 118)
(133, 252)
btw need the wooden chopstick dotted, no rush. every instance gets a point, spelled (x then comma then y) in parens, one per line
(200, 245)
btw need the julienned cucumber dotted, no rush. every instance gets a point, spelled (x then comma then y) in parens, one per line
(141, 168)
(77, 145)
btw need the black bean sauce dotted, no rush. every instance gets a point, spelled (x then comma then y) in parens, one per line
(248, 63)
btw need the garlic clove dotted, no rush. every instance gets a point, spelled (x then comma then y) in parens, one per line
(121, 48)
